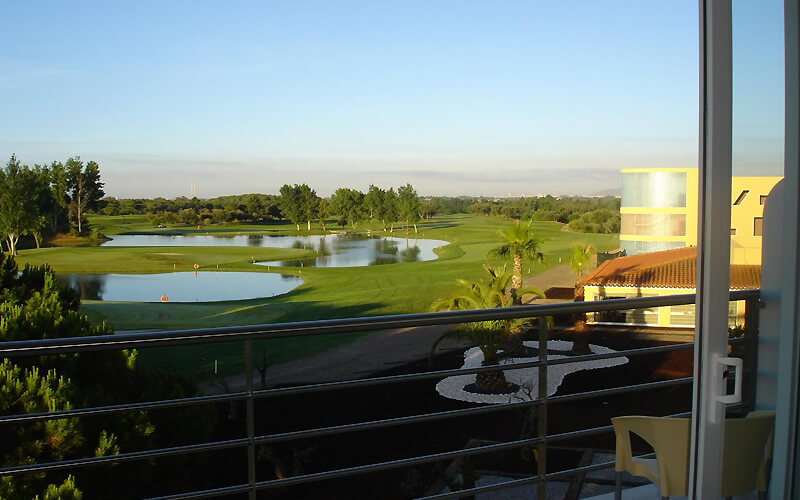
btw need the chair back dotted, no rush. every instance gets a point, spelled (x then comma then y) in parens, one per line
(669, 438)
(748, 443)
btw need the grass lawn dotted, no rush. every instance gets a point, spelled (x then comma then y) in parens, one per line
(326, 292)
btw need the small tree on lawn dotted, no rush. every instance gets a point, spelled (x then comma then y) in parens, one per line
(290, 204)
(578, 262)
(408, 206)
(85, 188)
(18, 209)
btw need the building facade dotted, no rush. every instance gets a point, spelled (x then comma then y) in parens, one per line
(656, 274)
(659, 212)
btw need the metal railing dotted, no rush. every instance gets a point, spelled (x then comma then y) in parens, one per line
(248, 334)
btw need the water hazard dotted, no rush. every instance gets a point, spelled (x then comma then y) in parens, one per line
(180, 287)
(334, 250)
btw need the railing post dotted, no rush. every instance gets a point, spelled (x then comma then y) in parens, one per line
(541, 424)
(250, 411)
(751, 319)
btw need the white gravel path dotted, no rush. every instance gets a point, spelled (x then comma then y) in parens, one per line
(526, 378)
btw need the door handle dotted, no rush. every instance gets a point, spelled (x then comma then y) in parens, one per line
(720, 394)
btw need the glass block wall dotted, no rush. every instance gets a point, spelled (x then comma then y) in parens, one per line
(654, 189)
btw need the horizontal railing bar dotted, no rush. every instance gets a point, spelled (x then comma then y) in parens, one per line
(340, 429)
(347, 384)
(394, 464)
(123, 457)
(34, 417)
(122, 408)
(618, 390)
(213, 493)
(325, 327)
(392, 422)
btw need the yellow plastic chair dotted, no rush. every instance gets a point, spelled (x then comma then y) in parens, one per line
(744, 462)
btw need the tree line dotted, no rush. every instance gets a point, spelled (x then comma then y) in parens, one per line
(583, 214)
(54, 197)
(300, 203)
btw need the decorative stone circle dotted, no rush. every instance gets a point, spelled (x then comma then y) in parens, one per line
(525, 379)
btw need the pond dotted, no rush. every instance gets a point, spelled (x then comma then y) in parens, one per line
(334, 250)
(180, 287)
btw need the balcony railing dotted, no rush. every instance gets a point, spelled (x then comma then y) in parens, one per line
(249, 443)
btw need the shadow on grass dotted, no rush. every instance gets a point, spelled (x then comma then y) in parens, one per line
(215, 360)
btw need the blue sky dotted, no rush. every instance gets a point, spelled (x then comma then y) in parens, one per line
(456, 97)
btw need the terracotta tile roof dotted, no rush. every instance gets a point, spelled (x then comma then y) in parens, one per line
(666, 269)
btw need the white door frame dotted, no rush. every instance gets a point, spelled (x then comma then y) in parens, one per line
(713, 254)
(786, 454)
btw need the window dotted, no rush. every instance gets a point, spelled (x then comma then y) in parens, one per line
(741, 197)
(653, 224)
(733, 231)
(758, 226)
(654, 189)
(762, 199)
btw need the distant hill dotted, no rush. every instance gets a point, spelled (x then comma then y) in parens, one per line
(608, 192)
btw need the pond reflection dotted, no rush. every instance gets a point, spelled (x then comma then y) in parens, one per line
(334, 250)
(180, 287)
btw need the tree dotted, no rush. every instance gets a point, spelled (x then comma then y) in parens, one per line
(518, 243)
(309, 203)
(349, 205)
(27, 390)
(408, 206)
(578, 260)
(389, 209)
(255, 206)
(429, 208)
(32, 306)
(85, 188)
(290, 204)
(373, 203)
(488, 336)
(57, 180)
(18, 208)
(323, 212)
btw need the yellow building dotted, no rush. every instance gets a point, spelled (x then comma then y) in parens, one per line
(668, 272)
(659, 211)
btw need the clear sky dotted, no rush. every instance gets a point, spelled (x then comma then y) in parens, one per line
(456, 97)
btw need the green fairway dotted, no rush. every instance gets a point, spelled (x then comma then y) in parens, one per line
(326, 292)
(156, 259)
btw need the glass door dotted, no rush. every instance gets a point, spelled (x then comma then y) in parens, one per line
(741, 160)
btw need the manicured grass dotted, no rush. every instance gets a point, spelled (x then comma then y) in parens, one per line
(326, 292)
(140, 224)
(156, 259)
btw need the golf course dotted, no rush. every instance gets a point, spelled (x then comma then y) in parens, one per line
(325, 293)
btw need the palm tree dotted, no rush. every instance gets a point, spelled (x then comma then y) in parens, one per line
(578, 261)
(488, 336)
(518, 243)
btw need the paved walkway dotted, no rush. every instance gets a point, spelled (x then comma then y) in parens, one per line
(372, 353)
(360, 358)
(560, 276)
